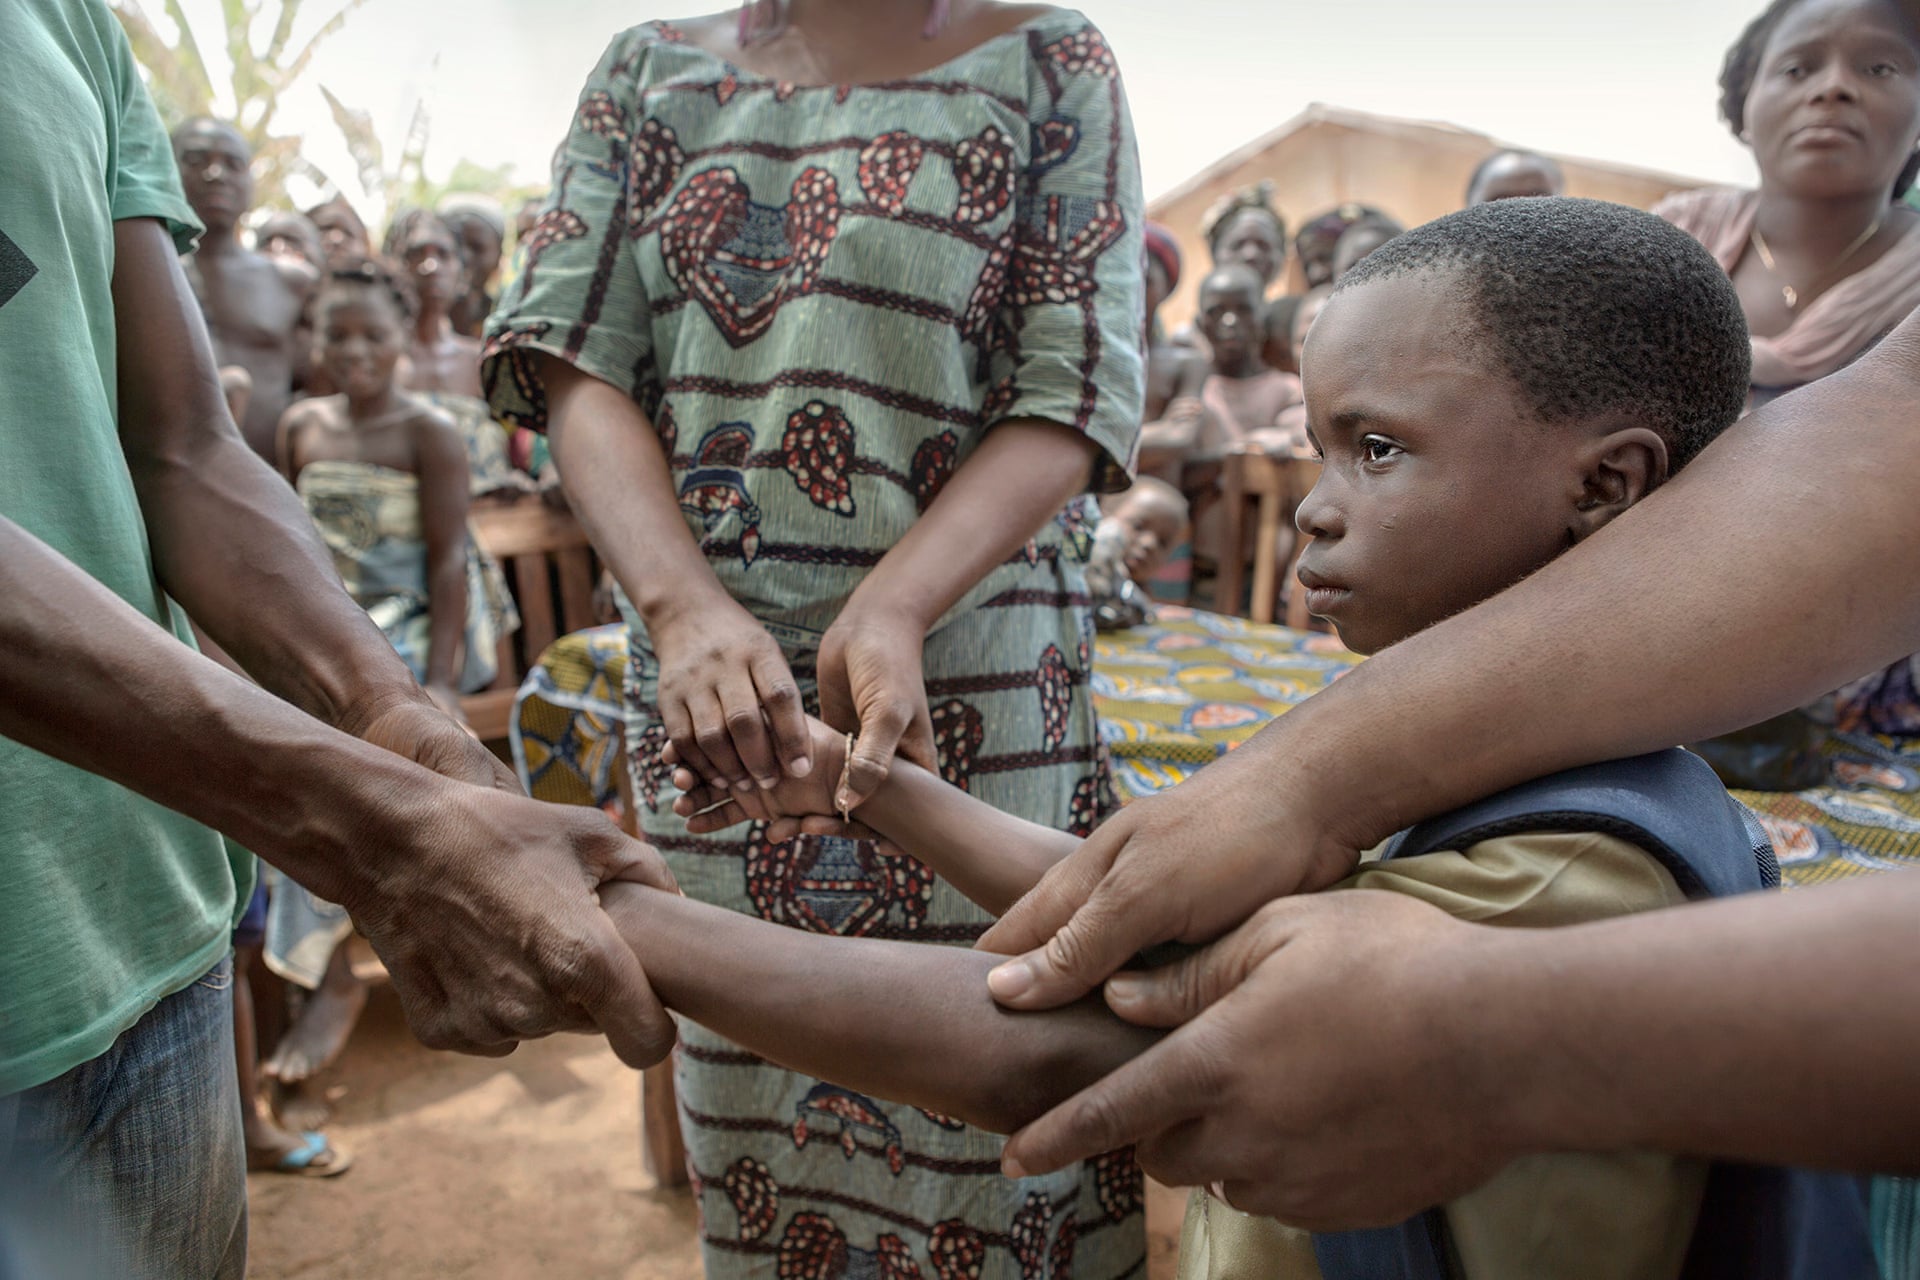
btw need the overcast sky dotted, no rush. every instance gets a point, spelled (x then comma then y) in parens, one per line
(1623, 80)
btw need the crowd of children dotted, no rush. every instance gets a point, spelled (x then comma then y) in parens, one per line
(1482, 392)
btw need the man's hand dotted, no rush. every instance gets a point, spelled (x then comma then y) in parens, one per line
(872, 684)
(1331, 1066)
(1185, 866)
(489, 923)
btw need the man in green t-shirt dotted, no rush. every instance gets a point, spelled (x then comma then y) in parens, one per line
(126, 488)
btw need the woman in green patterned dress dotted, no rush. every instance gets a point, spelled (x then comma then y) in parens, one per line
(833, 318)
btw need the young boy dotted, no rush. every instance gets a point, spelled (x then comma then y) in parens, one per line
(1243, 396)
(1486, 391)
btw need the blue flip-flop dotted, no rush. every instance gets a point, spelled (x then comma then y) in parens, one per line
(300, 1161)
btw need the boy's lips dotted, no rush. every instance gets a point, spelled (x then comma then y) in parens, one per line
(1323, 593)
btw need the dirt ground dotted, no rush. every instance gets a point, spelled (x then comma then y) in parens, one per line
(474, 1167)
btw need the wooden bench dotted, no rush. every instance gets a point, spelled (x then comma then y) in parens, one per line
(551, 570)
(1278, 485)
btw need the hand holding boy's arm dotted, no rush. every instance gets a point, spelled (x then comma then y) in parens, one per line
(991, 857)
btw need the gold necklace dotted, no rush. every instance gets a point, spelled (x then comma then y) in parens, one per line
(1787, 291)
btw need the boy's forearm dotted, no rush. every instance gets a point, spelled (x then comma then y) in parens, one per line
(908, 1022)
(992, 857)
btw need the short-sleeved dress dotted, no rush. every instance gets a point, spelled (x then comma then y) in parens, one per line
(824, 297)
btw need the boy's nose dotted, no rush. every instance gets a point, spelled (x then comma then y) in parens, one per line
(1317, 515)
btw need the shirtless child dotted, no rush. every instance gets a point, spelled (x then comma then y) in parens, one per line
(252, 303)
(1243, 396)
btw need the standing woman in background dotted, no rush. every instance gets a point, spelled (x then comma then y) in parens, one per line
(1825, 257)
(832, 316)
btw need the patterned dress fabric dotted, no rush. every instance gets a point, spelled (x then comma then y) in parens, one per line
(369, 517)
(823, 297)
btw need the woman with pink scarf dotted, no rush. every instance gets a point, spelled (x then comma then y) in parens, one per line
(1824, 254)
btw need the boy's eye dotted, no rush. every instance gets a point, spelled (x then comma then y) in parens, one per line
(1378, 448)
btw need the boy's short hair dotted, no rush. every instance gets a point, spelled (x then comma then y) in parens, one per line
(1591, 308)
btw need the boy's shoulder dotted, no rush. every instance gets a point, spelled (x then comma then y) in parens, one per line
(1668, 804)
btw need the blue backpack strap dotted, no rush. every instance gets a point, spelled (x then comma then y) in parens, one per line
(1668, 803)
(1416, 1249)
(1755, 1223)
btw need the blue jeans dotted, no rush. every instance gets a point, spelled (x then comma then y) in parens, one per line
(133, 1164)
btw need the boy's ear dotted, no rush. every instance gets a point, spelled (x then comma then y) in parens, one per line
(1618, 469)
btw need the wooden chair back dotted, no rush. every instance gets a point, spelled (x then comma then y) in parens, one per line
(551, 571)
(1277, 485)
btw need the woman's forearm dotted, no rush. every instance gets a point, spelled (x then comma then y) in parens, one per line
(1022, 473)
(1781, 563)
(992, 857)
(620, 483)
(907, 1022)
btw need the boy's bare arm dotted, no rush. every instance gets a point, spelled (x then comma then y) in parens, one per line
(904, 1021)
(994, 858)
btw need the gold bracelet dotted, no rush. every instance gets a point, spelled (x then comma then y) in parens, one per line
(846, 782)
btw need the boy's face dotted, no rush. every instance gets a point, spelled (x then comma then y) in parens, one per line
(1230, 317)
(361, 335)
(1438, 489)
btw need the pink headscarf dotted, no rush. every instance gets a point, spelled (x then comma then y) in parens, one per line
(1836, 326)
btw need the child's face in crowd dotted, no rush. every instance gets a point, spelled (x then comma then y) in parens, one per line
(216, 171)
(1251, 241)
(1230, 316)
(1360, 240)
(291, 237)
(1512, 176)
(1439, 489)
(479, 245)
(433, 258)
(1835, 104)
(342, 234)
(362, 334)
(1153, 524)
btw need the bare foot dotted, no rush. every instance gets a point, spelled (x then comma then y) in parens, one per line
(299, 1105)
(320, 1032)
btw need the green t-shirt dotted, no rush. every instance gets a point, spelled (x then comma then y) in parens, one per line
(110, 902)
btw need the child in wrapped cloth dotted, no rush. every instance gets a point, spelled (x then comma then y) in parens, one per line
(1485, 391)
